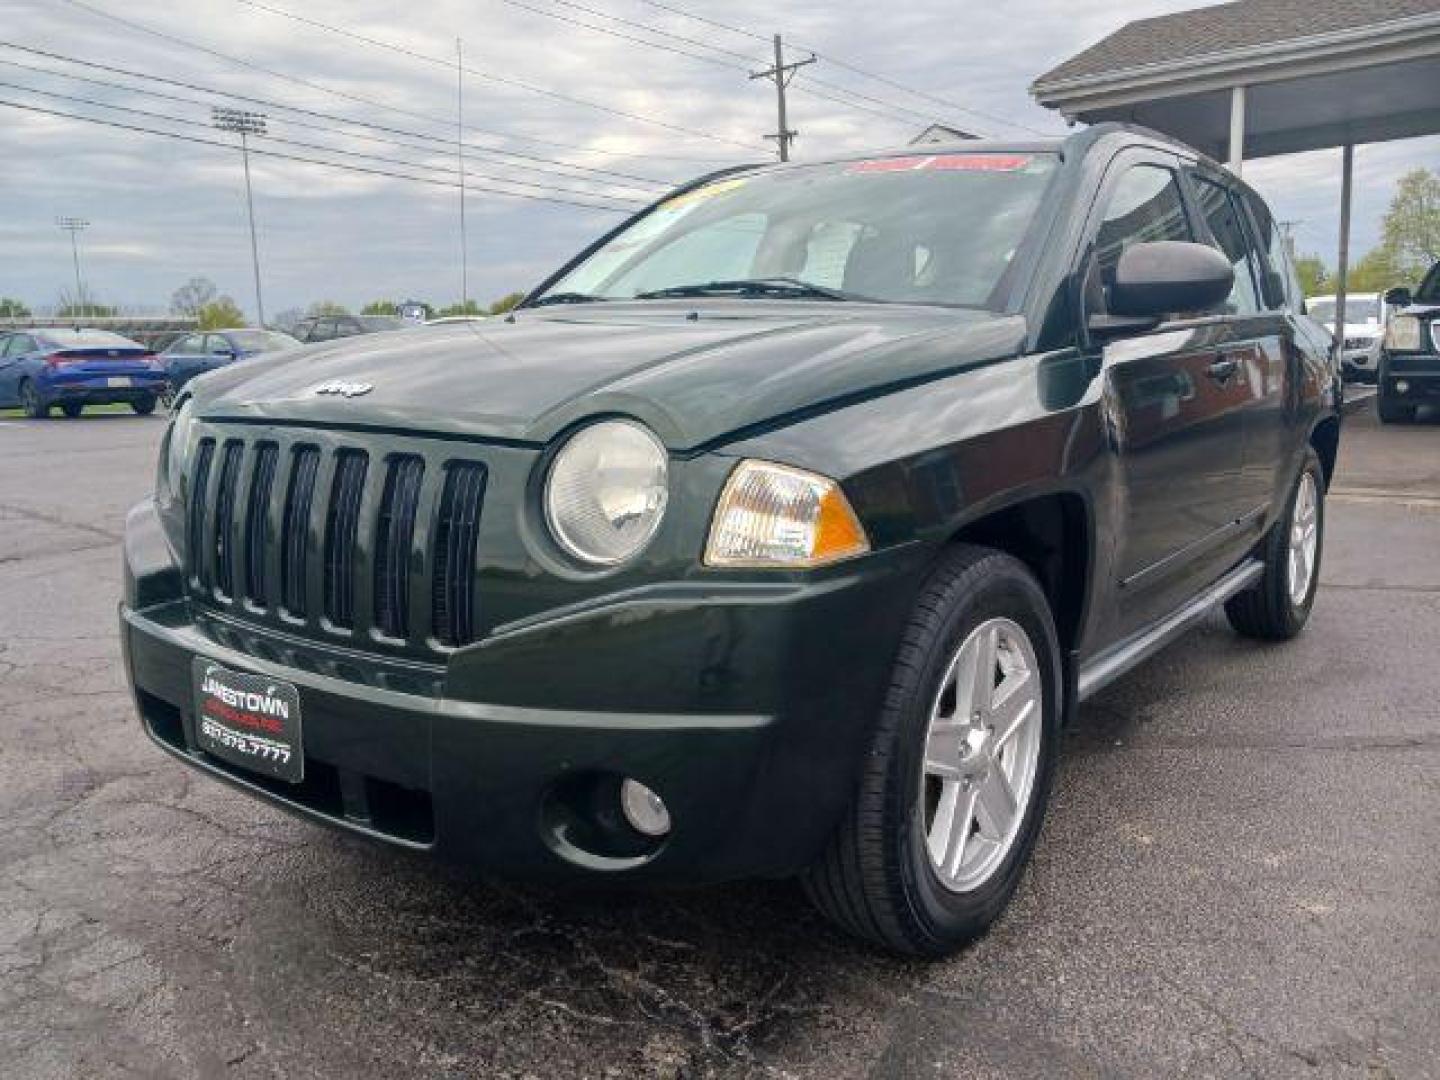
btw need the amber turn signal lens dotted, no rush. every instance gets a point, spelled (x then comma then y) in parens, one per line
(778, 516)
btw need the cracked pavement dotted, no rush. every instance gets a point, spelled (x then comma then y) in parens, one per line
(1238, 876)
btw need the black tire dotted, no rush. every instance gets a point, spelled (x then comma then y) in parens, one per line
(1390, 412)
(72, 409)
(1267, 611)
(876, 878)
(30, 401)
(144, 406)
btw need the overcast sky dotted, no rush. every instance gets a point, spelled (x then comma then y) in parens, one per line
(162, 210)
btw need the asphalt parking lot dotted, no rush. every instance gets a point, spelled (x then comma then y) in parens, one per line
(1239, 875)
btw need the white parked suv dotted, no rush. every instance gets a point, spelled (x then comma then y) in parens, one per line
(1366, 315)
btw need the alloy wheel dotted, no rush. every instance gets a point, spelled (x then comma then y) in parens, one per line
(1304, 537)
(982, 752)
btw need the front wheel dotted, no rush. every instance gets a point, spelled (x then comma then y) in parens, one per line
(72, 409)
(955, 781)
(30, 402)
(144, 406)
(1278, 606)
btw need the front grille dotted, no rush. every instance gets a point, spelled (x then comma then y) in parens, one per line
(341, 534)
(322, 539)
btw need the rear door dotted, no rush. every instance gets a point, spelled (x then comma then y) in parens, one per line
(1176, 421)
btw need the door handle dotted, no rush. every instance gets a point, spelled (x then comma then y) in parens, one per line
(1223, 369)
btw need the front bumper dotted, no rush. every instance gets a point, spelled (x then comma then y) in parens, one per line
(746, 705)
(1412, 387)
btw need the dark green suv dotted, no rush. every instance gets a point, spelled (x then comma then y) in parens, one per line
(1409, 374)
(777, 534)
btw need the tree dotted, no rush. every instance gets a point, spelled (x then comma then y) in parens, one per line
(13, 309)
(1314, 277)
(220, 314)
(1376, 272)
(1412, 224)
(469, 307)
(192, 297)
(321, 308)
(82, 305)
(381, 307)
(506, 303)
(287, 319)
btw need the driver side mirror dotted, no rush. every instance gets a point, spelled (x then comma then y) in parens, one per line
(1399, 296)
(1166, 276)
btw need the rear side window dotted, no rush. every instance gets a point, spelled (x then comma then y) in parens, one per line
(1222, 218)
(1144, 206)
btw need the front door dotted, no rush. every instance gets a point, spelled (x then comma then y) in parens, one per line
(1175, 401)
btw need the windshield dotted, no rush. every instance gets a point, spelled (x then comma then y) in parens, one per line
(1358, 309)
(261, 340)
(934, 229)
(1429, 291)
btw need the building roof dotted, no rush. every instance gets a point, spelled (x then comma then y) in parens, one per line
(1225, 28)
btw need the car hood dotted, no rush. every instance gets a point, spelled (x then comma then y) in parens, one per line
(694, 372)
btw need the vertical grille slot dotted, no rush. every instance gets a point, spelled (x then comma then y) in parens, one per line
(395, 535)
(196, 511)
(225, 518)
(341, 533)
(457, 528)
(257, 523)
(295, 527)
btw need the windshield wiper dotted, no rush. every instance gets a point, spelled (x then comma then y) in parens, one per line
(566, 298)
(748, 287)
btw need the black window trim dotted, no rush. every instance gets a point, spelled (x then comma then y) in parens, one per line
(1194, 176)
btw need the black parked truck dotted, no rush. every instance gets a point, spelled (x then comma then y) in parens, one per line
(1409, 372)
(779, 533)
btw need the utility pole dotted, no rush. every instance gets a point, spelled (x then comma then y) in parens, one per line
(245, 124)
(460, 157)
(781, 74)
(74, 225)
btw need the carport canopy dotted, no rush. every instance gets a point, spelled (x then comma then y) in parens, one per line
(1257, 78)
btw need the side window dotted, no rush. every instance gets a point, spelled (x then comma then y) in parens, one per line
(1284, 290)
(195, 343)
(217, 345)
(1222, 216)
(321, 330)
(20, 344)
(1144, 206)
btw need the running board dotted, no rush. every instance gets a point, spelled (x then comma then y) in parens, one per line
(1111, 664)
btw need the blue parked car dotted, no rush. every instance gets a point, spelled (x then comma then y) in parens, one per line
(195, 354)
(75, 367)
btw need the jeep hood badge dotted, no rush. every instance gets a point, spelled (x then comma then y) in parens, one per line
(344, 389)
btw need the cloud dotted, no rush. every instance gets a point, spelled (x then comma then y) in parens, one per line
(163, 211)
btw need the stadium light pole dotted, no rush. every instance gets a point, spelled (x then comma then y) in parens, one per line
(74, 226)
(245, 124)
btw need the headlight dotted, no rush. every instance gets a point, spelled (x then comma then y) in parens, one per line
(1403, 334)
(173, 450)
(773, 515)
(606, 492)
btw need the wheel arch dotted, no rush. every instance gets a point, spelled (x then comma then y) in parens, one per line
(1053, 534)
(1325, 440)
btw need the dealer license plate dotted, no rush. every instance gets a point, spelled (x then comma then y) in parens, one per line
(249, 720)
(118, 382)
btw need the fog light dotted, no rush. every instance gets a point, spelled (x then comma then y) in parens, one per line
(1403, 386)
(644, 810)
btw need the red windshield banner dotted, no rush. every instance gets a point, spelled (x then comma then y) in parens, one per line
(943, 163)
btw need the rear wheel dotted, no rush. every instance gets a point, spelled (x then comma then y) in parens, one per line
(959, 768)
(1277, 608)
(72, 409)
(30, 401)
(144, 406)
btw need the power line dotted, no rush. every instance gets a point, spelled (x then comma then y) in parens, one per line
(502, 79)
(357, 98)
(844, 64)
(309, 161)
(271, 104)
(645, 187)
(323, 149)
